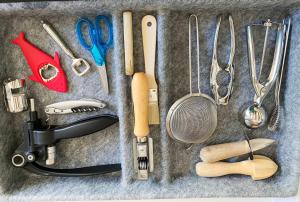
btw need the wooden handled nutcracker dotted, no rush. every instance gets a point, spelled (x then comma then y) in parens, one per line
(142, 144)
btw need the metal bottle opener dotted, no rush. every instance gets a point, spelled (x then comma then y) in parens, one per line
(216, 69)
(76, 62)
(15, 95)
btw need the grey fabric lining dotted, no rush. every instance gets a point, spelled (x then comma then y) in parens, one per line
(174, 175)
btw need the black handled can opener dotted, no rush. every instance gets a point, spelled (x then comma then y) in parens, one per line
(39, 145)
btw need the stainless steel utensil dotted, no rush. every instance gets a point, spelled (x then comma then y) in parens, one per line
(75, 106)
(275, 116)
(192, 118)
(77, 62)
(216, 69)
(15, 95)
(255, 115)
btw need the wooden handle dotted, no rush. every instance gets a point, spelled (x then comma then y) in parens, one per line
(219, 152)
(149, 27)
(128, 43)
(261, 167)
(139, 87)
(222, 168)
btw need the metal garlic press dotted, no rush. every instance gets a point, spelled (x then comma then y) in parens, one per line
(216, 68)
(75, 106)
(15, 95)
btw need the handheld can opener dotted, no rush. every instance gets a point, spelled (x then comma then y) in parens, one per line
(142, 144)
(39, 141)
(75, 106)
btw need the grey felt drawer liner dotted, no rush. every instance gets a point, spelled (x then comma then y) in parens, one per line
(174, 175)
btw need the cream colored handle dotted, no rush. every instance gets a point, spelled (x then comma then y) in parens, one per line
(128, 43)
(261, 167)
(139, 87)
(219, 152)
(222, 168)
(149, 27)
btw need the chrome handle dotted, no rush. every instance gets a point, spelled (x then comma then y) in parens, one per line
(57, 39)
(262, 89)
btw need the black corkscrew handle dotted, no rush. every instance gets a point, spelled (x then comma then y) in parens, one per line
(73, 130)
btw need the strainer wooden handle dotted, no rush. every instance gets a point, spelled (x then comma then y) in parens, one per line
(139, 87)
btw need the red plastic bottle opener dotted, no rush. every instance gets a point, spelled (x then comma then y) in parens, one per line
(39, 61)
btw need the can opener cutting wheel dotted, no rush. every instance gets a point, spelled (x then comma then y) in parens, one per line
(39, 142)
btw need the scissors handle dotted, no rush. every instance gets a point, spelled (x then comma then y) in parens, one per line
(104, 43)
(98, 46)
(92, 33)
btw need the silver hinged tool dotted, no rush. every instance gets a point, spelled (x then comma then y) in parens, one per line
(263, 88)
(255, 115)
(75, 106)
(216, 68)
(76, 62)
(15, 95)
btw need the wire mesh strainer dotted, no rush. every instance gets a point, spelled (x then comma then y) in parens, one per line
(192, 118)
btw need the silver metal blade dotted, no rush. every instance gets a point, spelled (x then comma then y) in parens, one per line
(259, 143)
(103, 78)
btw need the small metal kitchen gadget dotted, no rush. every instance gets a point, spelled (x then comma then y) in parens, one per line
(192, 118)
(75, 106)
(14, 91)
(76, 62)
(38, 146)
(216, 68)
(255, 115)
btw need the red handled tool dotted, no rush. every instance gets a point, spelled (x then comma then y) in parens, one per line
(39, 62)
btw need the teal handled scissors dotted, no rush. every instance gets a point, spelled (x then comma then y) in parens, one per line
(98, 46)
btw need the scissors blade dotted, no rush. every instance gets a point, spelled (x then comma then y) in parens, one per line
(103, 78)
